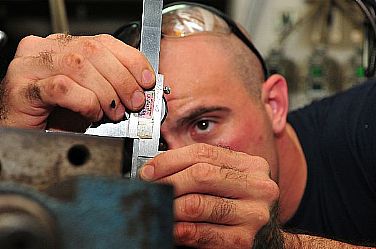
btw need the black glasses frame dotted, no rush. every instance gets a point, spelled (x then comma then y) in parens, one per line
(131, 32)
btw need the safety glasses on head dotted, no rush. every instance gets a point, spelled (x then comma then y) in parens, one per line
(183, 19)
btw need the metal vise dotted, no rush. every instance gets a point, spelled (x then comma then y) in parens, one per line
(65, 191)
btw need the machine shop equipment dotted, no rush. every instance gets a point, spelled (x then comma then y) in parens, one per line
(66, 190)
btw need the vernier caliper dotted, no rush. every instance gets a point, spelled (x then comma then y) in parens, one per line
(144, 127)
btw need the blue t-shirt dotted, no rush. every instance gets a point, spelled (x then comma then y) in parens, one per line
(338, 136)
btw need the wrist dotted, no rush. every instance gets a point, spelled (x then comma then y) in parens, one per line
(291, 241)
(304, 241)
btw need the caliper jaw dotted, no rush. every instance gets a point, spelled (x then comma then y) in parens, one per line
(144, 127)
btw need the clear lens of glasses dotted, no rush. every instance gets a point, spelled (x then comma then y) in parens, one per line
(185, 20)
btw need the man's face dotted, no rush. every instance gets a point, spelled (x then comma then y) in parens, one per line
(209, 102)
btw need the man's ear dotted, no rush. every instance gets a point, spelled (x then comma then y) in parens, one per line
(275, 98)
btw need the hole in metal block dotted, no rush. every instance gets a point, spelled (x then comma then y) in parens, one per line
(78, 155)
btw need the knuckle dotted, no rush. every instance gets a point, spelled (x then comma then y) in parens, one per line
(91, 47)
(185, 232)
(73, 61)
(90, 106)
(256, 215)
(15, 65)
(105, 37)
(62, 39)
(202, 173)
(194, 206)
(270, 190)
(27, 41)
(262, 163)
(27, 45)
(59, 86)
(205, 151)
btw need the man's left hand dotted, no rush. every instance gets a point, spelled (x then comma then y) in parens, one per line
(222, 198)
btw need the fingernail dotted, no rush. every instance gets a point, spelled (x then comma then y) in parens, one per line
(147, 77)
(147, 172)
(138, 99)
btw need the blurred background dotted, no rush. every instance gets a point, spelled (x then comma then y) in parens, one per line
(320, 46)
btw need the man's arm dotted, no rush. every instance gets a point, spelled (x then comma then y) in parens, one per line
(302, 241)
(272, 237)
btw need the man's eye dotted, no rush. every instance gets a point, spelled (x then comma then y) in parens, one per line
(203, 126)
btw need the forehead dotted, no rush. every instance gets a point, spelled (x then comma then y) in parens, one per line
(197, 61)
(200, 71)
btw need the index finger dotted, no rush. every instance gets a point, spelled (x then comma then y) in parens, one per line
(129, 57)
(132, 59)
(174, 161)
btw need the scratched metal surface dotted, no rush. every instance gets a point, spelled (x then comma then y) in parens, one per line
(41, 159)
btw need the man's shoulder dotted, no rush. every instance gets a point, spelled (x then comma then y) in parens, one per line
(337, 121)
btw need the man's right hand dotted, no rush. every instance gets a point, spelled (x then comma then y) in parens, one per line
(90, 76)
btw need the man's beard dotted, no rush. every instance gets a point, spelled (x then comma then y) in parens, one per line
(270, 236)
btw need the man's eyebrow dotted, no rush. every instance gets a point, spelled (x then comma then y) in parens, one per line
(195, 113)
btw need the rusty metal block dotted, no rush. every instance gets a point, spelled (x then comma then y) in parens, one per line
(40, 159)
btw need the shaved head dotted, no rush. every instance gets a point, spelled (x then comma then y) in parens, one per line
(246, 64)
(206, 54)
